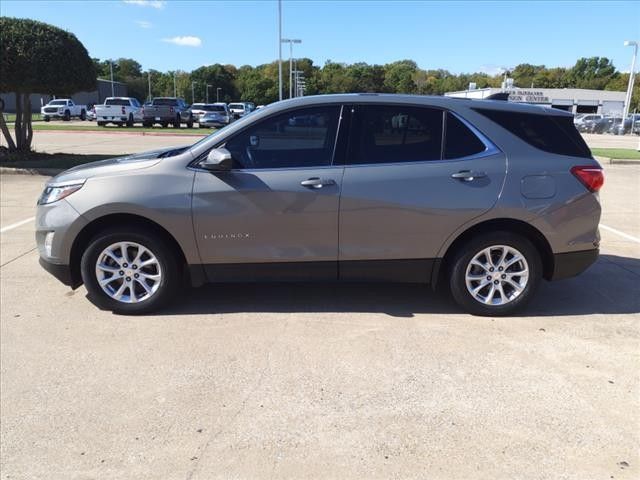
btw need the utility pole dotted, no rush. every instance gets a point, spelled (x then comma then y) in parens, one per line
(208, 92)
(291, 41)
(111, 69)
(193, 95)
(150, 97)
(632, 74)
(280, 49)
(175, 93)
(218, 94)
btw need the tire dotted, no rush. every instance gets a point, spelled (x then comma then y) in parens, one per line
(147, 125)
(130, 121)
(190, 123)
(102, 124)
(83, 115)
(514, 298)
(164, 124)
(176, 123)
(158, 292)
(47, 119)
(120, 124)
(67, 116)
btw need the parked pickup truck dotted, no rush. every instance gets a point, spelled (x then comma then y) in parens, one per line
(63, 108)
(120, 111)
(167, 110)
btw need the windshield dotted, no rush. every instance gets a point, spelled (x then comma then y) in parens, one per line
(237, 106)
(213, 108)
(58, 102)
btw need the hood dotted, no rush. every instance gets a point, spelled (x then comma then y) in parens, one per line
(117, 165)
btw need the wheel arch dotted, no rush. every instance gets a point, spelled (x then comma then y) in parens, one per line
(117, 219)
(498, 224)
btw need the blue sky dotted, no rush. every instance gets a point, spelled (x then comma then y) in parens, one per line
(458, 36)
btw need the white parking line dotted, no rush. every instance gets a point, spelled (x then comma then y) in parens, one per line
(622, 234)
(16, 225)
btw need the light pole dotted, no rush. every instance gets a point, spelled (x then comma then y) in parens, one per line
(111, 70)
(193, 95)
(290, 41)
(150, 86)
(280, 49)
(218, 94)
(175, 93)
(208, 92)
(632, 74)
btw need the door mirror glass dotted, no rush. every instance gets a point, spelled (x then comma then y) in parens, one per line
(218, 159)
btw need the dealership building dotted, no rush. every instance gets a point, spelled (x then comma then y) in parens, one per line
(574, 100)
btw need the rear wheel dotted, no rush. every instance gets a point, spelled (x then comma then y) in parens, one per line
(129, 271)
(47, 119)
(165, 124)
(83, 115)
(176, 123)
(495, 274)
(130, 120)
(147, 124)
(102, 124)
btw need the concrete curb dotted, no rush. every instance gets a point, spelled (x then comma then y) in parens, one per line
(49, 172)
(617, 161)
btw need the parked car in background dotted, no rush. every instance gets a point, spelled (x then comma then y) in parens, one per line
(354, 198)
(599, 126)
(240, 109)
(119, 111)
(586, 122)
(91, 111)
(217, 115)
(167, 111)
(200, 109)
(63, 108)
(630, 124)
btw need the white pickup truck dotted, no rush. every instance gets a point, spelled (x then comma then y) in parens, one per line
(120, 111)
(63, 108)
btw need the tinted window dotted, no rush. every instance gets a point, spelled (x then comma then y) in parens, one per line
(165, 101)
(213, 108)
(392, 134)
(300, 138)
(117, 101)
(552, 134)
(459, 140)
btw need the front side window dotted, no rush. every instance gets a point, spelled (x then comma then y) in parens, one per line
(393, 134)
(300, 138)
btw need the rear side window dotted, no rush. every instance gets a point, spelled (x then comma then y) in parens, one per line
(394, 134)
(460, 141)
(172, 102)
(549, 133)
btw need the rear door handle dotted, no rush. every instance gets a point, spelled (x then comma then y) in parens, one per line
(468, 175)
(317, 182)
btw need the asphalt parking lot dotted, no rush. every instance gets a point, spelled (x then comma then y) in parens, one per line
(317, 380)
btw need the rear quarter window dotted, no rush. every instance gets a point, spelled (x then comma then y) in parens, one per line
(550, 133)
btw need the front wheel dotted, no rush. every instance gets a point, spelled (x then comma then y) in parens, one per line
(495, 274)
(129, 271)
(67, 116)
(83, 115)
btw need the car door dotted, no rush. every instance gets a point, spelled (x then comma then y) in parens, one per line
(413, 176)
(275, 214)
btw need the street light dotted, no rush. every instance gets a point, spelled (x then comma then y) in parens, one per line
(290, 41)
(632, 74)
(279, 49)
(208, 92)
(193, 95)
(218, 94)
(111, 69)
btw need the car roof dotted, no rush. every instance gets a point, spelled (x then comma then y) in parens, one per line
(427, 100)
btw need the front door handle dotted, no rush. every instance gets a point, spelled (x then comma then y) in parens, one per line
(317, 182)
(468, 175)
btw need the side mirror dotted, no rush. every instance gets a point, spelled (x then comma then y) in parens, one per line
(218, 160)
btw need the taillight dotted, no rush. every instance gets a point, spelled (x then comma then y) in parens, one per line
(591, 177)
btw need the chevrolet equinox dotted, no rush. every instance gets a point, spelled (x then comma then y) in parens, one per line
(484, 197)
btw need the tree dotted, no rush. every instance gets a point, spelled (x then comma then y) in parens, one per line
(593, 72)
(36, 58)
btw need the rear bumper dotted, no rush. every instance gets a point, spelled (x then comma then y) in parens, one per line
(566, 265)
(60, 272)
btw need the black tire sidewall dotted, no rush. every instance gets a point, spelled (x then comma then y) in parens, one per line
(169, 283)
(464, 255)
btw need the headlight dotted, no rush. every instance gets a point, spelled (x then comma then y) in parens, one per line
(55, 192)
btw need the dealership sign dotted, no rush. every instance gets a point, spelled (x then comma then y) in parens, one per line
(528, 96)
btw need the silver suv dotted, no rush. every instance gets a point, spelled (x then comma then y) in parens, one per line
(483, 197)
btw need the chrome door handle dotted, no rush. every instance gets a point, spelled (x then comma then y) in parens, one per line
(317, 182)
(468, 175)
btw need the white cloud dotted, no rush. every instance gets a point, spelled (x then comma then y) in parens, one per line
(185, 41)
(492, 69)
(158, 4)
(144, 24)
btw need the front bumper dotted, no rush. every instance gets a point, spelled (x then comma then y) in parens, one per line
(61, 272)
(567, 265)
